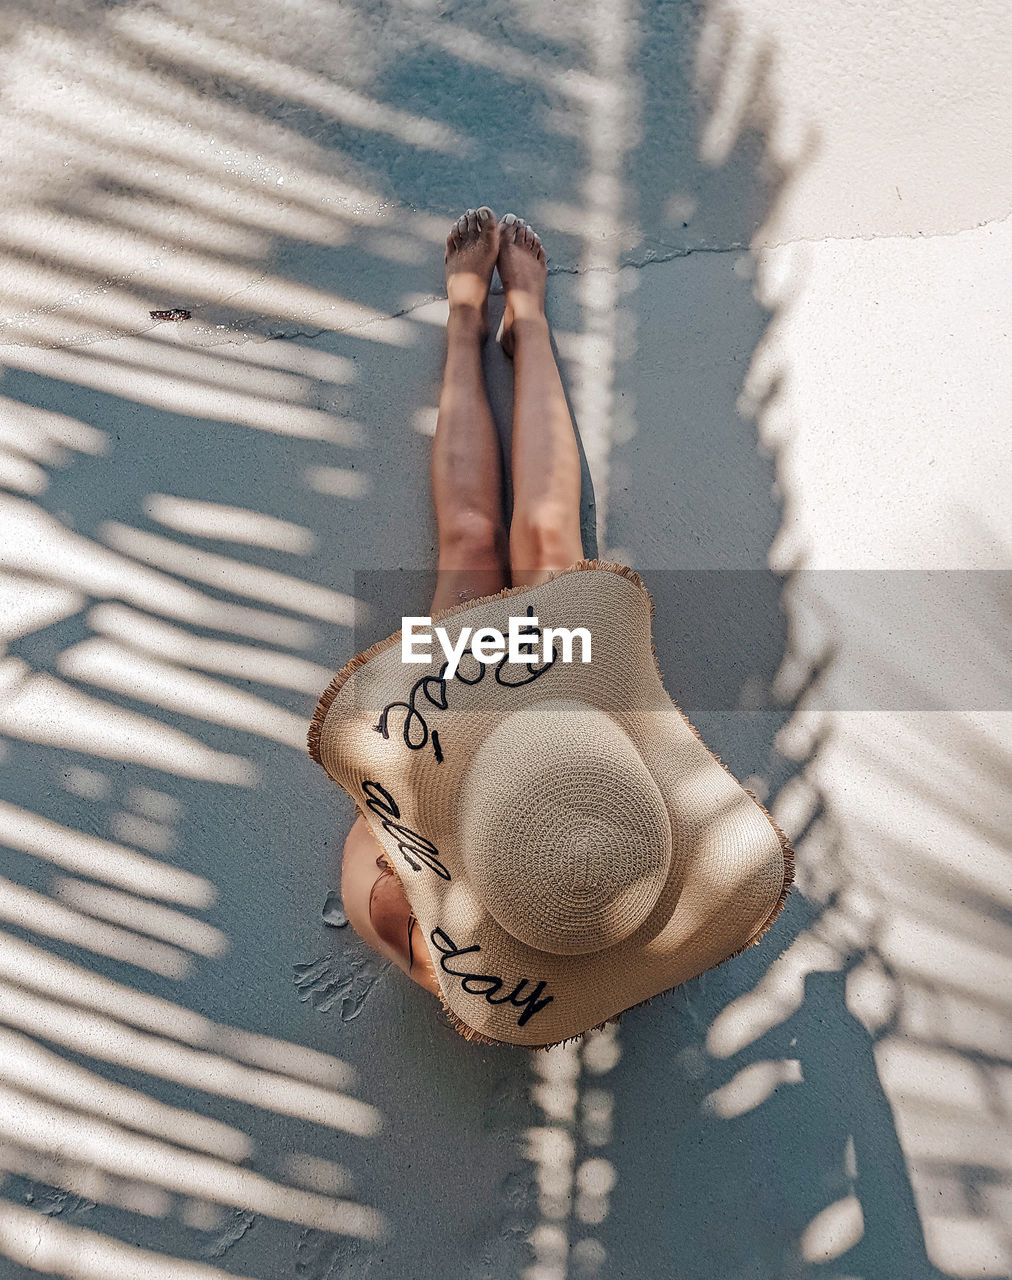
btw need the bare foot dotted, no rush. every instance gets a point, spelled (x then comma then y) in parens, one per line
(523, 268)
(471, 249)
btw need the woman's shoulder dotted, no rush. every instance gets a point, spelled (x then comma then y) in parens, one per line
(378, 908)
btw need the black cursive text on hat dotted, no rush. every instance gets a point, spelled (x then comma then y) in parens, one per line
(409, 843)
(434, 690)
(472, 982)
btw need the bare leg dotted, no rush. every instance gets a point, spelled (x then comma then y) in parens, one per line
(466, 458)
(545, 529)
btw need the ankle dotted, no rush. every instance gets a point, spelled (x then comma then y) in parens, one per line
(526, 309)
(465, 319)
(525, 330)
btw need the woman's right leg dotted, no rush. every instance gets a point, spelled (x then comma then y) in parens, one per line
(545, 528)
(466, 457)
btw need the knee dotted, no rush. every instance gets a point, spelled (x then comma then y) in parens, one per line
(543, 539)
(473, 538)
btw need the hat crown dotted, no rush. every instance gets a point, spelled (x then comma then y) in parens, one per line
(565, 832)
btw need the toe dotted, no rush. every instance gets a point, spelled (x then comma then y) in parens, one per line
(485, 216)
(472, 222)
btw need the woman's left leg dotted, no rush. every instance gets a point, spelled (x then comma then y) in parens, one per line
(466, 457)
(545, 528)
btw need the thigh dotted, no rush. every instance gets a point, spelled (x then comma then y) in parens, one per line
(455, 586)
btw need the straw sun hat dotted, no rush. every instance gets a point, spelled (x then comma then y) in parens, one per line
(566, 840)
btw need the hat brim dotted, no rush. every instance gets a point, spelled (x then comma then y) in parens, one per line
(731, 867)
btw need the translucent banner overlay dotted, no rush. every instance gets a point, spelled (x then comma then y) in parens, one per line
(744, 640)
